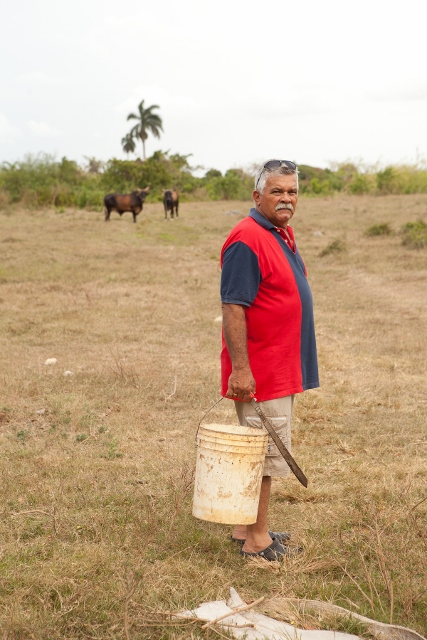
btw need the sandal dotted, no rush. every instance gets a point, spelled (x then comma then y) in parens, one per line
(281, 536)
(274, 552)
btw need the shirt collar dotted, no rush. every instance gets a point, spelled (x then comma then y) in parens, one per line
(264, 222)
(258, 217)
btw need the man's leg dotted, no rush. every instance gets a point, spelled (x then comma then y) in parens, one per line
(257, 537)
(259, 530)
(240, 531)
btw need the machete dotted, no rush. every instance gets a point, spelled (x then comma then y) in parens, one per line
(279, 444)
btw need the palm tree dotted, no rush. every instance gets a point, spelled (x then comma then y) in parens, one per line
(128, 144)
(93, 165)
(147, 121)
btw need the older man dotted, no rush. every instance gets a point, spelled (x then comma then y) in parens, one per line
(269, 345)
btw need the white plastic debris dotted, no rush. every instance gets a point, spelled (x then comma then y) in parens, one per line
(40, 412)
(218, 319)
(51, 361)
(68, 373)
(250, 625)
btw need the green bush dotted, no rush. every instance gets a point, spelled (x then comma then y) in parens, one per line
(313, 181)
(359, 184)
(415, 235)
(387, 180)
(379, 230)
(160, 171)
(412, 180)
(333, 248)
(234, 185)
(41, 181)
(318, 188)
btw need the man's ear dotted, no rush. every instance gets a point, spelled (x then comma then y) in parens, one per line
(256, 196)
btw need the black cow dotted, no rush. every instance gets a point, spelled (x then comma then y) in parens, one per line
(128, 202)
(170, 203)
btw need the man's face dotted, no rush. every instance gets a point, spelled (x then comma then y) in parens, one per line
(279, 199)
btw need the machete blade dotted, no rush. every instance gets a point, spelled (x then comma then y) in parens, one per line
(298, 473)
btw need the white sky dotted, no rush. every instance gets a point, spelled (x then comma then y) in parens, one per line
(237, 82)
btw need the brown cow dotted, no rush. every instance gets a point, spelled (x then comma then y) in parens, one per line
(129, 202)
(170, 202)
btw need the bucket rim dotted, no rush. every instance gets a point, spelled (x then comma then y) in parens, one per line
(233, 429)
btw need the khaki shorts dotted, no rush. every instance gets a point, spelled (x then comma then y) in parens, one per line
(280, 413)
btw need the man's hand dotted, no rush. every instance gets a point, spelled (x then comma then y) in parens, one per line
(241, 383)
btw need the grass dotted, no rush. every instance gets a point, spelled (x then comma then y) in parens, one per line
(96, 534)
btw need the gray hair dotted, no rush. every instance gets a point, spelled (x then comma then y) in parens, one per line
(263, 173)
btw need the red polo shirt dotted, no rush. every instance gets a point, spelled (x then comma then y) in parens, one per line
(264, 274)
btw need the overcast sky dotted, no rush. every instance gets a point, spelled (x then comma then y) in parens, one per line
(237, 82)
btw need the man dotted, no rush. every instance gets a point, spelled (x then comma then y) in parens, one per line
(269, 346)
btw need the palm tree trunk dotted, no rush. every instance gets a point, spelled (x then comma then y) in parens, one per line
(143, 149)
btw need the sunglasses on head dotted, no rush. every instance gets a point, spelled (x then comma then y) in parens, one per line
(276, 164)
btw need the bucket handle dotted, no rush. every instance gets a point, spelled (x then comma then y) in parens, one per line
(204, 416)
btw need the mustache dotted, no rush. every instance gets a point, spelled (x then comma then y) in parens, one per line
(282, 205)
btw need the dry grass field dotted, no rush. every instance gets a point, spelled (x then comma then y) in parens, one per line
(97, 539)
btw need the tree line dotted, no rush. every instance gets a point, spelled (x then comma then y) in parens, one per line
(42, 180)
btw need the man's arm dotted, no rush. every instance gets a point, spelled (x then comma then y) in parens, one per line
(241, 383)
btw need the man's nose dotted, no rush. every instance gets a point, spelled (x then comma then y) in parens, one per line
(286, 197)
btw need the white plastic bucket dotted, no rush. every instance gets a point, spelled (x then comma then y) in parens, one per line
(229, 466)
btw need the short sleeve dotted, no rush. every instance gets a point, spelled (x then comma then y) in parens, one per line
(241, 275)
